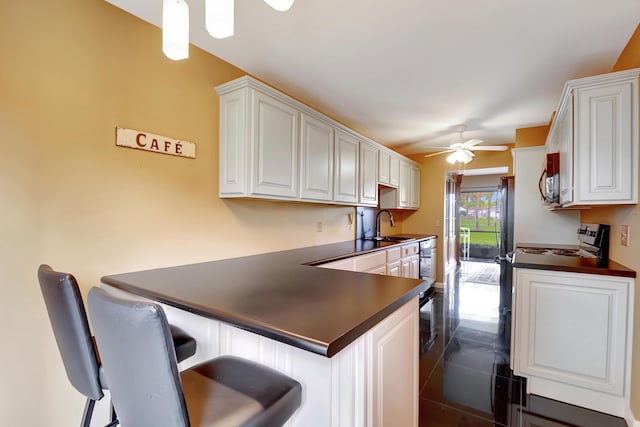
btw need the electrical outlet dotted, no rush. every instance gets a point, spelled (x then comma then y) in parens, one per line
(624, 235)
(319, 226)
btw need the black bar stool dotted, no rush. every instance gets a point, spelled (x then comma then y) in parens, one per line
(147, 390)
(75, 343)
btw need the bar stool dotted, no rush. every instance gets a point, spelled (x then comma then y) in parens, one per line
(147, 389)
(73, 337)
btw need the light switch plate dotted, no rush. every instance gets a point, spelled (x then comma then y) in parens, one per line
(624, 235)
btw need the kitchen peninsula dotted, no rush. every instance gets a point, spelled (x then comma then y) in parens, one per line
(350, 338)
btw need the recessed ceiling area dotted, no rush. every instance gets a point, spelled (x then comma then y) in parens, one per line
(405, 73)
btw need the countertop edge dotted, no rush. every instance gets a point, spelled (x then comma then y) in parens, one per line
(327, 349)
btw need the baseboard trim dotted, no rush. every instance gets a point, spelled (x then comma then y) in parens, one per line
(631, 419)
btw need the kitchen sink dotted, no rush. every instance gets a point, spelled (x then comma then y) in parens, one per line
(388, 238)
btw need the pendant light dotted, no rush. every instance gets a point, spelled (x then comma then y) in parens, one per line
(280, 5)
(219, 18)
(175, 29)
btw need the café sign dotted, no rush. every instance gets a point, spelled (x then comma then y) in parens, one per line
(156, 143)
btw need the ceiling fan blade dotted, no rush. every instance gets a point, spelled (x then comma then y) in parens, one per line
(439, 152)
(490, 147)
(471, 143)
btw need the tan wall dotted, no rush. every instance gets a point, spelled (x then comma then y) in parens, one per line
(630, 56)
(428, 219)
(533, 136)
(73, 70)
(616, 217)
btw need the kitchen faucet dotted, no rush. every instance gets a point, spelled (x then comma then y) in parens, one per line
(391, 221)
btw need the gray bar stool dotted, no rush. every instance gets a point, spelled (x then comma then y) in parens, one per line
(147, 389)
(75, 343)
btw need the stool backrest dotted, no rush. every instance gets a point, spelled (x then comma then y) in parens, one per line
(139, 361)
(71, 330)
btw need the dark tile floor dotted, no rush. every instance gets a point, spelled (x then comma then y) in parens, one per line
(465, 379)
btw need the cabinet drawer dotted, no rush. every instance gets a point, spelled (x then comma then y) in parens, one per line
(409, 250)
(369, 261)
(394, 254)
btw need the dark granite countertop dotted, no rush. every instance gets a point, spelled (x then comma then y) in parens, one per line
(570, 264)
(282, 295)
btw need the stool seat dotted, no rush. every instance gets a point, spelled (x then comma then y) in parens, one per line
(147, 389)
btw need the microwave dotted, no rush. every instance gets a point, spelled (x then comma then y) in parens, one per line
(549, 183)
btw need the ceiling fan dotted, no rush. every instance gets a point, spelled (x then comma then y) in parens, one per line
(462, 151)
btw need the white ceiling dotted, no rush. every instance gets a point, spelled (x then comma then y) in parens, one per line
(406, 72)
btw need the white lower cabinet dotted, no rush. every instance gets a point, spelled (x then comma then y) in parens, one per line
(410, 261)
(375, 263)
(393, 352)
(572, 337)
(373, 382)
(393, 261)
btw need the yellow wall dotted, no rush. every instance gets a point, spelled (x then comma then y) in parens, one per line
(428, 219)
(630, 56)
(618, 216)
(73, 70)
(529, 137)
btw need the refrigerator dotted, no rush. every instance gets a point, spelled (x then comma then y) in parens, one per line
(506, 200)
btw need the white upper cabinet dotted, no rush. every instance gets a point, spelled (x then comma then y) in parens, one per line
(414, 186)
(596, 133)
(274, 147)
(388, 168)
(368, 194)
(383, 167)
(274, 144)
(346, 172)
(233, 144)
(407, 195)
(316, 159)
(394, 170)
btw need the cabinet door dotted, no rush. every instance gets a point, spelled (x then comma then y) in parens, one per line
(383, 167)
(316, 159)
(404, 186)
(233, 144)
(414, 189)
(414, 267)
(381, 270)
(393, 269)
(405, 267)
(274, 157)
(572, 328)
(394, 170)
(563, 143)
(343, 264)
(606, 159)
(346, 168)
(368, 174)
(393, 349)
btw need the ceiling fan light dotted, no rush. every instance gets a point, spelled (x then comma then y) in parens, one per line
(175, 29)
(462, 156)
(219, 17)
(280, 5)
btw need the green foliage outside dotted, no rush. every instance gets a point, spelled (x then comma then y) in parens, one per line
(478, 214)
